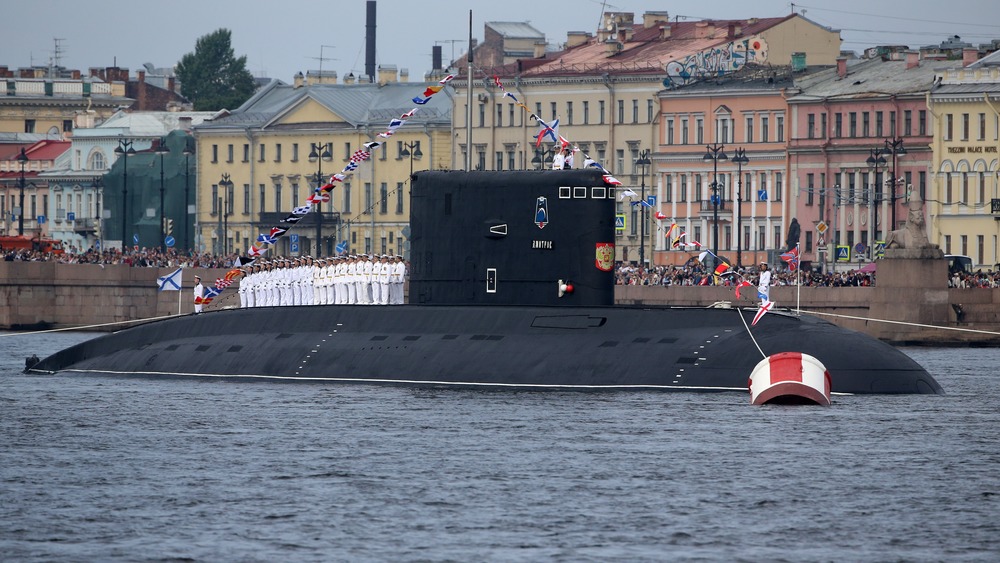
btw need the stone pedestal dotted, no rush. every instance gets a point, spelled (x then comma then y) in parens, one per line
(911, 287)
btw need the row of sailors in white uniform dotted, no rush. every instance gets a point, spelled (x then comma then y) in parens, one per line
(342, 280)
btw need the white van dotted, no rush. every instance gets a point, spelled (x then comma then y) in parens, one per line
(958, 263)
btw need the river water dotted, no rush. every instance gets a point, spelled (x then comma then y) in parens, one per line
(109, 468)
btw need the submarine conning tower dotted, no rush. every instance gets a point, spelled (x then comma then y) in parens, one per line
(509, 238)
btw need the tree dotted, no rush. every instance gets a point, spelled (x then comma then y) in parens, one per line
(212, 77)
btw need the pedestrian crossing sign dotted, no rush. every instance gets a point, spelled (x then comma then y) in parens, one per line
(843, 253)
(620, 222)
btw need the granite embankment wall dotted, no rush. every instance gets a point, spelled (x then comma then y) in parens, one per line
(35, 294)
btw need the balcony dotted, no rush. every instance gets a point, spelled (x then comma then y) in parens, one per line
(85, 226)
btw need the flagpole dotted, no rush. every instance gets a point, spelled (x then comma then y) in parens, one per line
(179, 292)
(798, 281)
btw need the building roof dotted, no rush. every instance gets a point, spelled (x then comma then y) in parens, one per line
(646, 50)
(149, 123)
(869, 78)
(991, 60)
(357, 104)
(516, 30)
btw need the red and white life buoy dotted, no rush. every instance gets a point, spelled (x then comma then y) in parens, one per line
(790, 378)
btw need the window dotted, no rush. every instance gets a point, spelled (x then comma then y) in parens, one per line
(215, 154)
(982, 127)
(620, 161)
(811, 126)
(684, 189)
(261, 198)
(748, 130)
(965, 127)
(684, 130)
(763, 183)
(553, 110)
(965, 245)
(230, 199)
(980, 242)
(399, 198)
(780, 126)
(696, 184)
(777, 188)
(892, 123)
(510, 115)
(982, 187)
(246, 153)
(586, 113)
(621, 111)
(947, 188)
(277, 197)
(29, 125)
(499, 122)
(853, 124)
(838, 125)
(67, 126)
(97, 161)
(482, 115)
(295, 195)
(538, 108)
(511, 165)
(277, 152)
(764, 129)
(215, 199)
(822, 125)
(499, 160)
(907, 122)
(668, 188)
(948, 126)
(809, 188)
(229, 153)
(369, 194)
(865, 122)
(246, 199)
(262, 154)
(569, 113)
(670, 131)
(878, 124)
(699, 130)
(724, 131)
(922, 122)
(347, 197)
(383, 193)
(649, 111)
(947, 244)
(635, 111)
(965, 189)
(295, 152)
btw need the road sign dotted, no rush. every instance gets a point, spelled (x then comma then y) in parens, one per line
(879, 248)
(620, 222)
(41, 219)
(651, 200)
(860, 248)
(821, 242)
(71, 216)
(135, 238)
(293, 238)
(762, 195)
(821, 227)
(294, 247)
(843, 253)
(169, 241)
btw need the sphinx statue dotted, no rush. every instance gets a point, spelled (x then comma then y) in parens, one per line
(911, 241)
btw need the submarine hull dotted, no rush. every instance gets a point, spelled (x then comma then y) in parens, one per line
(587, 348)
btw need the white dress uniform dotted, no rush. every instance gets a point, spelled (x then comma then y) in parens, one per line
(330, 283)
(350, 282)
(250, 280)
(385, 271)
(369, 267)
(399, 275)
(242, 290)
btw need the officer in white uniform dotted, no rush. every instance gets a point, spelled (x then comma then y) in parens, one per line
(351, 280)
(384, 273)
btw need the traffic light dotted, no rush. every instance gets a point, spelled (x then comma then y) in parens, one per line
(168, 226)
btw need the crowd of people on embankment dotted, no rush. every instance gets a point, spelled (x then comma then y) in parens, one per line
(142, 258)
(696, 274)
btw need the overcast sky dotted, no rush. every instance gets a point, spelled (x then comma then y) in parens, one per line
(286, 36)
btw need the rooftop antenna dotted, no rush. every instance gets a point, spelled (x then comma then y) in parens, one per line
(452, 41)
(321, 58)
(57, 53)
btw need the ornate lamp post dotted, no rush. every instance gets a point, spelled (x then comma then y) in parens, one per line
(23, 159)
(715, 153)
(318, 153)
(162, 149)
(875, 159)
(540, 155)
(643, 163)
(411, 151)
(894, 146)
(124, 150)
(226, 184)
(740, 158)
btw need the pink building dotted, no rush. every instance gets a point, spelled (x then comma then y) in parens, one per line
(860, 141)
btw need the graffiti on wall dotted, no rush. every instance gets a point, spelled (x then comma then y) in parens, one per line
(717, 61)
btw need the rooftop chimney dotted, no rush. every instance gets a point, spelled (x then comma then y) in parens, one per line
(842, 67)
(436, 57)
(912, 59)
(386, 74)
(370, 40)
(665, 31)
(969, 56)
(574, 38)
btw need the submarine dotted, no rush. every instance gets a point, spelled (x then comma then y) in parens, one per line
(511, 286)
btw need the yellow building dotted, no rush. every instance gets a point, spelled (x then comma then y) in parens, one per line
(254, 166)
(603, 90)
(37, 102)
(964, 202)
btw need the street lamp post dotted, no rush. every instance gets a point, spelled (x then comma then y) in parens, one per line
(411, 151)
(740, 158)
(894, 146)
(875, 159)
(318, 153)
(161, 149)
(125, 150)
(23, 159)
(96, 183)
(643, 163)
(540, 155)
(715, 153)
(187, 174)
(225, 183)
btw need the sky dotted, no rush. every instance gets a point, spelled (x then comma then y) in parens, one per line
(288, 36)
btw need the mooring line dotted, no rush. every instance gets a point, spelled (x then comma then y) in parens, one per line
(83, 327)
(959, 329)
(740, 313)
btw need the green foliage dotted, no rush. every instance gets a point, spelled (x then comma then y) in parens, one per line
(212, 77)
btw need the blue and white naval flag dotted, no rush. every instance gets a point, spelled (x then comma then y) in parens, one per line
(170, 282)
